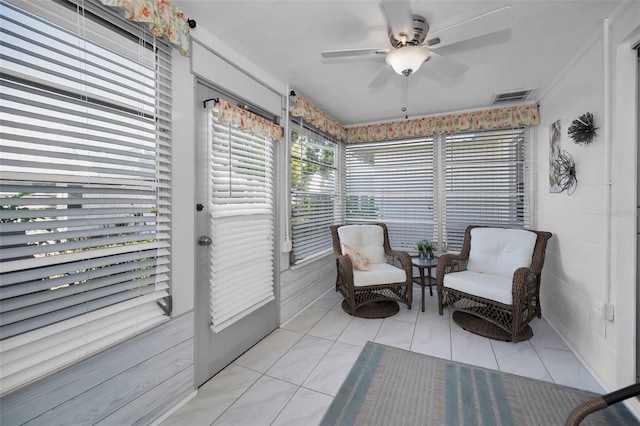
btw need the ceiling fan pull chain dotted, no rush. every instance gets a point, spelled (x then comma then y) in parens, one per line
(405, 96)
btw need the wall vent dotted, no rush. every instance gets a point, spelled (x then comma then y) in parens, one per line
(518, 95)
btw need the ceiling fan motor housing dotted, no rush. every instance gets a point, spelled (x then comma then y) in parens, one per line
(420, 30)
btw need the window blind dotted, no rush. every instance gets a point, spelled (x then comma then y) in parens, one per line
(85, 199)
(242, 215)
(392, 182)
(315, 202)
(485, 181)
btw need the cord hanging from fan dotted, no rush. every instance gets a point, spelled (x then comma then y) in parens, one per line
(405, 96)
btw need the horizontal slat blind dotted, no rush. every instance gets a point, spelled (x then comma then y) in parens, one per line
(392, 182)
(484, 181)
(85, 197)
(242, 211)
(314, 189)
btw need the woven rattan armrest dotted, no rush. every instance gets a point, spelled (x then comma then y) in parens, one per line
(405, 261)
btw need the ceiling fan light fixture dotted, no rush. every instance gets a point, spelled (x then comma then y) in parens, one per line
(406, 60)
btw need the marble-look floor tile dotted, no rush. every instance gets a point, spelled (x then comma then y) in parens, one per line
(360, 331)
(305, 320)
(331, 325)
(406, 314)
(338, 306)
(269, 350)
(296, 365)
(395, 333)
(566, 369)
(329, 374)
(521, 359)
(307, 407)
(329, 300)
(432, 336)
(318, 347)
(471, 349)
(214, 397)
(545, 336)
(260, 405)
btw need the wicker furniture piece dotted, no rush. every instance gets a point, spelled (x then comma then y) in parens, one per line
(518, 296)
(369, 293)
(422, 264)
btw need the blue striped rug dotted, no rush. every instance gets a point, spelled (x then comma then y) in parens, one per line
(390, 386)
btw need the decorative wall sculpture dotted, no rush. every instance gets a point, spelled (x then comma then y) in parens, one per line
(554, 152)
(565, 172)
(583, 129)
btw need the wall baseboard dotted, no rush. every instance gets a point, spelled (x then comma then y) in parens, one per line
(175, 408)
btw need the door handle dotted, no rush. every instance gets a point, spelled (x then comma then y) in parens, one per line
(204, 241)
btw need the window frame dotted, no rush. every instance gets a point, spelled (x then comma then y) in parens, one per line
(441, 169)
(110, 316)
(317, 240)
(406, 204)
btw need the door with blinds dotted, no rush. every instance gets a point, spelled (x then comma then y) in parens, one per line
(235, 296)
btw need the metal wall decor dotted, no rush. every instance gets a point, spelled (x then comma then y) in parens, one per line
(565, 172)
(582, 129)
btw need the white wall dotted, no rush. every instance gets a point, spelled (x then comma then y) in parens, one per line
(576, 273)
(183, 186)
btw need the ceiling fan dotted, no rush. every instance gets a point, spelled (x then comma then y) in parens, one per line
(411, 47)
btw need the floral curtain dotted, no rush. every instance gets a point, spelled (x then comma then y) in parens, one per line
(246, 120)
(163, 19)
(498, 118)
(319, 119)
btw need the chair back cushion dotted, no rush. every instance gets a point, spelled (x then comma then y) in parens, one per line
(500, 251)
(367, 239)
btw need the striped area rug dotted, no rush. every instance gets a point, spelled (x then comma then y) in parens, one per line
(390, 386)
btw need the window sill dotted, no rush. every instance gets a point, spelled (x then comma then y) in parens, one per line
(306, 261)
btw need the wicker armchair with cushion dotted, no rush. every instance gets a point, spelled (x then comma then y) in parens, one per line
(372, 277)
(493, 285)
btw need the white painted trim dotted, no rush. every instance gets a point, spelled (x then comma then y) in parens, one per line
(307, 260)
(624, 127)
(608, 105)
(175, 408)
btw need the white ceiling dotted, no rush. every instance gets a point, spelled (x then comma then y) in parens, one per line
(286, 38)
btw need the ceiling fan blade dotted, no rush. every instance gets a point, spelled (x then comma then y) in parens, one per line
(491, 22)
(353, 52)
(382, 78)
(399, 18)
(446, 66)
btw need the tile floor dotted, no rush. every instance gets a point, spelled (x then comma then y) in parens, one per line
(291, 376)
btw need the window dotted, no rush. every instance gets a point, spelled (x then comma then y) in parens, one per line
(85, 201)
(485, 181)
(433, 188)
(392, 182)
(242, 212)
(315, 190)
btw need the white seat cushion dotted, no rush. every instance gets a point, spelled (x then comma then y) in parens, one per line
(367, 239)
(488, 286)
(379, 273)
(500, 251)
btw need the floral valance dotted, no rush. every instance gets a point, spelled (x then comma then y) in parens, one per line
(246, 120)
(163, 19)
(498, 118)
(319, 119)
